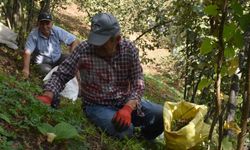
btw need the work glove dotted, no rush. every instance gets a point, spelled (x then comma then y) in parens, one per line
(44, 99)
(122, 118)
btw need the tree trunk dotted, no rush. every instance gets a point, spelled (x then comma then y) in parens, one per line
(246, 108)
(196, 85)
(218, 75)
(8, 11)
(45, 6)
(186, 68)
(232, 103)
(30, 15)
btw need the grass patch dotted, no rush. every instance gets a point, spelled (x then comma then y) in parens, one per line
(159, 91)
(21, 115)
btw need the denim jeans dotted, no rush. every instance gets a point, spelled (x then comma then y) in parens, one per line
(151, 123)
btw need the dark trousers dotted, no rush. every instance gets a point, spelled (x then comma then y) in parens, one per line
(46, 65)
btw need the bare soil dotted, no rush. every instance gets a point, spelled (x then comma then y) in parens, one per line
(73, 18)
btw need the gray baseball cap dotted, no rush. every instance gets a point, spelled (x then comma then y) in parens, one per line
(103, 27)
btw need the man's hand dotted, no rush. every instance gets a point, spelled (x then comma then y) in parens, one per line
(45, 99)
(26, 73)
(73, 45)
(122, 118)
(132, 103)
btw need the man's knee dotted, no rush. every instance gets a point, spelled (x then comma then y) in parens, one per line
(44, 69)
(152, 108)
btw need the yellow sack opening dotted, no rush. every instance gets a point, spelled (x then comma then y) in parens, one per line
(191, 134)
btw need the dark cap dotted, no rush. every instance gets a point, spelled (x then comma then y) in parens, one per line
(44, 16)
(103, 27)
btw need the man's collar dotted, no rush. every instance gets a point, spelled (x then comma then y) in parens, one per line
(41, 34)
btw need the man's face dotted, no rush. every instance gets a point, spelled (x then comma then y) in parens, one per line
(45, 27)
(109, 48)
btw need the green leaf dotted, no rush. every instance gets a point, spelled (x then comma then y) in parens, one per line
(46, 128)
(229, 52)
(61, 131)
(238, 40)
(226, 144)
(229, 31)
(233, 65)
(211, 10)
(5, 118)
(206, 46)
(224, 70)
(65, 131)
(244, 21)
(204, 83)
(237, 8)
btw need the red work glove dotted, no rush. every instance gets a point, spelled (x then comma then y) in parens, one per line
(122, 118)
(44, 99)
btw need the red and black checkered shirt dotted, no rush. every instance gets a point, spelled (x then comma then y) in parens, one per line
(111, 81)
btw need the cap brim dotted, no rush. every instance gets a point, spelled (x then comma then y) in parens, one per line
(97, 39)
(45, 20)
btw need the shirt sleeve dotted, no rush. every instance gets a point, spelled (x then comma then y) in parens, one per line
(66, 37)
(31, 42)
(137, 81)
(65, 72)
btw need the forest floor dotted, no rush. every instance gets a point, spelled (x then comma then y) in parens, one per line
(73, 20)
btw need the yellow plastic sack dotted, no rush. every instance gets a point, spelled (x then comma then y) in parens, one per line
(191, 134)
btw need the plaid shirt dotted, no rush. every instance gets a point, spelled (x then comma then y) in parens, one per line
(104, 81)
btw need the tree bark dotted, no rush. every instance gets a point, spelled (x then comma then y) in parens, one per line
(196, 85)
(246, 108)
(30, 15)
(232, 103)
(45, 6)
(218, 74)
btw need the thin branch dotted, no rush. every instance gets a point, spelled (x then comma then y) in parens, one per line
(218, 74)
(150, 29)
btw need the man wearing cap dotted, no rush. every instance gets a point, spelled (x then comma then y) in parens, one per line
(44, 43)
(112, 82)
